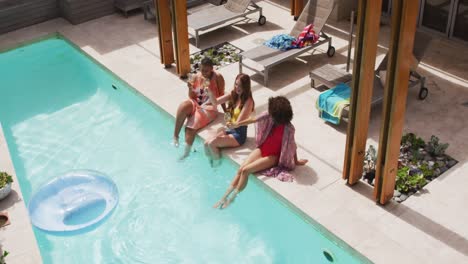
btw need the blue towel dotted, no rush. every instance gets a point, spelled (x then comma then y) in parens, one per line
(331, 103)
(281, 42)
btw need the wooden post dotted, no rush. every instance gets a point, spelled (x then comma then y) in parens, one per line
(296, 8)
(404, 14)
(368, 26)
(181, 37)
(165, 32)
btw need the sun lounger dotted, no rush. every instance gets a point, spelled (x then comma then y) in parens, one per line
(315, 12)
(330, 75)
(233, 11)
(149, 11)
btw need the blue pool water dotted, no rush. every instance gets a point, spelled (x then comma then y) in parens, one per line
(59, 112)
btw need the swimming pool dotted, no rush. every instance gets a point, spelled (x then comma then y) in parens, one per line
(62, 111)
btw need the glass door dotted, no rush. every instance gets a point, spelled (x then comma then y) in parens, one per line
(460, 25)
(436, 14)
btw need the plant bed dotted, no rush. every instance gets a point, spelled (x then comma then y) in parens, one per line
(222, 55)
(5, 184)
(418, 164)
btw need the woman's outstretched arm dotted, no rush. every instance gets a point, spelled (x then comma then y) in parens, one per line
(220, 100)
(244, 122)
(246, 111)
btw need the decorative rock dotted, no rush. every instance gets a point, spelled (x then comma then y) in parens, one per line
(396, 193)
(427, 157)
(443, 169)
(431, 163)
(440, 158)
(410, 193)
(397, 199)
(415, 171)
(436, 173)
(451, 163)
(403, 197)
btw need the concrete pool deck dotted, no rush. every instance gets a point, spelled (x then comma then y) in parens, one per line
(429, 227)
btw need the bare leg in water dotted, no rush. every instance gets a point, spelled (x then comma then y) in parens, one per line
(189, 138)
(185, 110)
(213, 145)
(208, 153)
(254, 163)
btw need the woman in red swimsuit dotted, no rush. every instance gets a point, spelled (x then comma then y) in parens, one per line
(275, 147)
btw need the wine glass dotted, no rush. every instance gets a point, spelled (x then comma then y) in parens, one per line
(206, 83)
(191, 78)
(227, 117)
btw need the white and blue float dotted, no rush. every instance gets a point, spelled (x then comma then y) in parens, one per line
(75, 202)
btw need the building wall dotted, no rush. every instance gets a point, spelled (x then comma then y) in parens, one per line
(15, 14)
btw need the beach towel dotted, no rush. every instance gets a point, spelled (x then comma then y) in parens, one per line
(332, 102)
(306, 38)
(281, 42)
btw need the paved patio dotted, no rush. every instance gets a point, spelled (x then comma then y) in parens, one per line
(430, 227)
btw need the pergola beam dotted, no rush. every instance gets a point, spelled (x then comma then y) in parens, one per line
(296, 8)
(181, 37)
(369, 12)
(165, 32)
(178, 13)
(404, 15)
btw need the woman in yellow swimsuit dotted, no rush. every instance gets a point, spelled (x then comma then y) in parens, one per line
(240, 107)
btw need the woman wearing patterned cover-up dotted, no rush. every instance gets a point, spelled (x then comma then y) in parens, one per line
(275, 154)
(240, 108)
(199, 110)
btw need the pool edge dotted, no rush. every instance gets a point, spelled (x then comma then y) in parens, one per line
(319, 227)
(19, 234)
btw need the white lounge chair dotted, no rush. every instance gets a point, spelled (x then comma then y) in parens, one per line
(233, 11)
(315, 12)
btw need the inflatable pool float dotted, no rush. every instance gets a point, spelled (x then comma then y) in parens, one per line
(77, 200)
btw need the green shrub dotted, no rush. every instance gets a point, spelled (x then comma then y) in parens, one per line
(416, 156)
(370, 159)
(406, 182)
(413, 141)
(435, 148)
(5, 178)
(427, 172)
(3, 256)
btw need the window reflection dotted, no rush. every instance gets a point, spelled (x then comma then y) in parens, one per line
(436, 14)
(460, 29)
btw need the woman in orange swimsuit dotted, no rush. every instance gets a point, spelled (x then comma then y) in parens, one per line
(199, 109)
(275, 154)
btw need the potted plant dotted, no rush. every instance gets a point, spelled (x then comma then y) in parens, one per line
(3, 255)
(5, 184)
(370, 160)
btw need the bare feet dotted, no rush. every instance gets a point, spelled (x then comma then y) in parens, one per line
(229, 201)
(301, 162)
(219, 203)
(216, 163)
(175, 142)
(187, 150)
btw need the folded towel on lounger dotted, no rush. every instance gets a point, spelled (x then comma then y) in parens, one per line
(332, 102)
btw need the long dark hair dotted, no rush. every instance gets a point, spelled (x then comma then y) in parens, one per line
(244, 80)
